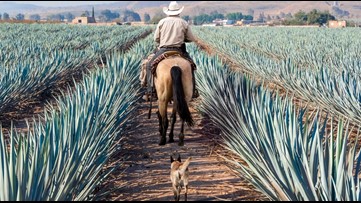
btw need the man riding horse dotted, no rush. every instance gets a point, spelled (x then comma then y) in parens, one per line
(171, 35)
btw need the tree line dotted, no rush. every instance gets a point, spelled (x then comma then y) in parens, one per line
(314, 17)
(208, 18)
(131, 16)
(311, 18)
(300, 18)
(105, 16)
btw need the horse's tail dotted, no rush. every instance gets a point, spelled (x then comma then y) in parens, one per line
(179, 101)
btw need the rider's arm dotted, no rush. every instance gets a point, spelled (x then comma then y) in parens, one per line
(189, 37)
(157, 35)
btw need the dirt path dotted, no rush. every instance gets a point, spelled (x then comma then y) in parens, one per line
(145, 174)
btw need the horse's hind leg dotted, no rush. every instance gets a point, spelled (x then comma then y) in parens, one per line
(163, 123)
(160, 122)
(181, 135)
(174, 118)
(185, 194)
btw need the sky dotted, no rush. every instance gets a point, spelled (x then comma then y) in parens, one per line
(61, 3)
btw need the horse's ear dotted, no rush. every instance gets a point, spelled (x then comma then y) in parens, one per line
(171, 159)
(179, 159)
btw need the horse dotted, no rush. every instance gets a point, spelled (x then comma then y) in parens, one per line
(173, 81)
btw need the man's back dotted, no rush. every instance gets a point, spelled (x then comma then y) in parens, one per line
(173, 31)
(171, 34)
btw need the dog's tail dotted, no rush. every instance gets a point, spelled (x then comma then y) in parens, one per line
(184, 166)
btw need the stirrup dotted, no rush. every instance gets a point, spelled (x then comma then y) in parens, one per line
(195, 93)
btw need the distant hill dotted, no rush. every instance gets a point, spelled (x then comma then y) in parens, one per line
(192, 8)
(11, 7)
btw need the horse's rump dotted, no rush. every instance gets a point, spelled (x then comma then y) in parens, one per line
(163, 73)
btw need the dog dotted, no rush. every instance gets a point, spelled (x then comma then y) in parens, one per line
(179, 176)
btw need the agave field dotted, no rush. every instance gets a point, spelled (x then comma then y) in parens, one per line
(290, 154)
(286, 151)
(61, 155)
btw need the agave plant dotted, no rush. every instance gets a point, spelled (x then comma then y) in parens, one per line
(33, 65)
(299, 60)
(288, 155)
(61, 157)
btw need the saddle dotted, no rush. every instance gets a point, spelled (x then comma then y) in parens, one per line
(168, 54)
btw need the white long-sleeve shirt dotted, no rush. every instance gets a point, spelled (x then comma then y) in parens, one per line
(173, 31)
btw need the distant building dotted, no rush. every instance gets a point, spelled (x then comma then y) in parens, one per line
(105, 24)
(141, 23)
(250, 23)
(211, 24)
(221, 22)
(336, 23)
(217, 21)
(84, 20)
(228, 22)
(243, 22)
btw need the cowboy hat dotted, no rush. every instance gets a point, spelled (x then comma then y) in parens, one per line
(173, 9)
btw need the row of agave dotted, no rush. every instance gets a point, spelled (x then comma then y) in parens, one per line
(308, 47)
(62, 36)
(31, 65)
(337, 91)
(289, 153)
(62, 155)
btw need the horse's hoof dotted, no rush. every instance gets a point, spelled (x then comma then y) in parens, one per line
(162, 142)
(171, 140)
